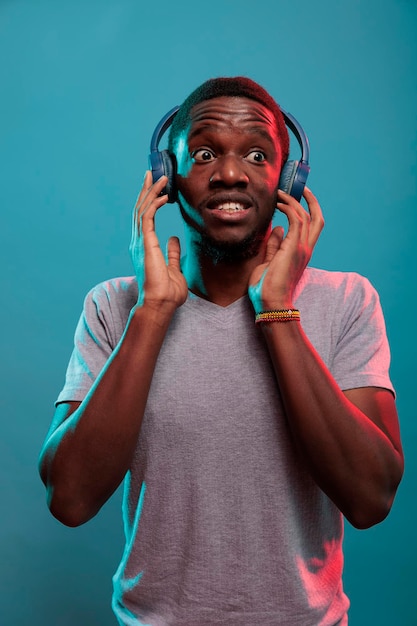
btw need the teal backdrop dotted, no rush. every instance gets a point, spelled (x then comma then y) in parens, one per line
(82, 85)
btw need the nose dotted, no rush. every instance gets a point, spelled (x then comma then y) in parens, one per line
(229, 171)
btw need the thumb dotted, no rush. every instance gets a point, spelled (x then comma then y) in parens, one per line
(273, 244)
(174, 252)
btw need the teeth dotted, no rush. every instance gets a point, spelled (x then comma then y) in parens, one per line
(231, 207)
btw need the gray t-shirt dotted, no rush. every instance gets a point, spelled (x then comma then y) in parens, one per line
(224, 524)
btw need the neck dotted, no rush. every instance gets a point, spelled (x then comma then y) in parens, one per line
(221, 282)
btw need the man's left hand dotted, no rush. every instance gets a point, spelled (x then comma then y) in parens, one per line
(272, 283)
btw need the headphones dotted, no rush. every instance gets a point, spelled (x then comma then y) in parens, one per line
(293, 175)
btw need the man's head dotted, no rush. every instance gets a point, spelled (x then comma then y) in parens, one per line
(238, 86)
(229, 142)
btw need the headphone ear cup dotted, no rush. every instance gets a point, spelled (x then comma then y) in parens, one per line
(293, 178)
(161, 164)
(169, 170)
(288, 173)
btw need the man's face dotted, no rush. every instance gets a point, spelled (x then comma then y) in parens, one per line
(228, 167)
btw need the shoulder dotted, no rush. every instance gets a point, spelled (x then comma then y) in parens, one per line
(333, 279)
(331, 285)
(115, 292)
(107, 307)
(340, 300)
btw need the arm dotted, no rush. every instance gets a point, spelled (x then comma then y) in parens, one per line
(89, 447)
(350, 441)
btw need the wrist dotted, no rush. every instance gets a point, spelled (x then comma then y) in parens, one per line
(275, 304)
(154, 314)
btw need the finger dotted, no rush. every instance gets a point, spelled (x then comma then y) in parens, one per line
(317, 220)
(143, 222)
(286, 198)
(152, 191)
(148, 193)
(147, 219)
(306, 236)
(146, 185)
(145, 212)
(147, 182)
(174, 253)
(143, 228)
(296, 215)
(273, 243)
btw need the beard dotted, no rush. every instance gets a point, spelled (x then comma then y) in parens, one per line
(231, 252)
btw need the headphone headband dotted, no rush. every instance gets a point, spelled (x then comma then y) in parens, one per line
(300, 135)
(162, 126)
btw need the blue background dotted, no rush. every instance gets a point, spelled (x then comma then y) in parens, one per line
(83, 84)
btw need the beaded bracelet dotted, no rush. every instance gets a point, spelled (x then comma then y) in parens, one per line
(280, 315)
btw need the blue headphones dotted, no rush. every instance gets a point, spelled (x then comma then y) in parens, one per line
(293, 175)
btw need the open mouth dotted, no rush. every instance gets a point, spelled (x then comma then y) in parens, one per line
(229, 207)
(229, 204)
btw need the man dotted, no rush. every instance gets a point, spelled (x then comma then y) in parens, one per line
(241, 444)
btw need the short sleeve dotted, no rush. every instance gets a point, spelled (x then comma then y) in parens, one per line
(362, 355)
(94, 341)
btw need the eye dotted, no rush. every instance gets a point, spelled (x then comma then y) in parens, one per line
(202, 155)
(256, 156)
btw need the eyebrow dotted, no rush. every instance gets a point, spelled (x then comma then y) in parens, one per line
(264, 133)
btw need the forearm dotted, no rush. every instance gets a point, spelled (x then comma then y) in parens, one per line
(351, 458)
(86, 457)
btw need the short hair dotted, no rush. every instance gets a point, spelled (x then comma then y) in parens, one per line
(235, 87)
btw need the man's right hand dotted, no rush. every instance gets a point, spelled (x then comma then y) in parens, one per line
(90, 446)
(161, 284)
